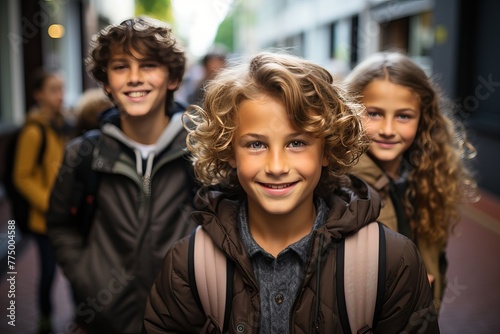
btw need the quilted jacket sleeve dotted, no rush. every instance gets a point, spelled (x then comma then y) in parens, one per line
(408, 305)
(171, 307)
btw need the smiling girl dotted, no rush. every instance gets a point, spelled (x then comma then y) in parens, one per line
(416, 159)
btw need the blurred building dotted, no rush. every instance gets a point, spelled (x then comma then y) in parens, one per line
(337, 33)
(53, 34)
(455, 41)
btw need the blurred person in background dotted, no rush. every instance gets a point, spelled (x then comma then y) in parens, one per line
(212, 63)
(89, 108)
(35, 180)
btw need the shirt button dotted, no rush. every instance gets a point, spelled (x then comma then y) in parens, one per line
(279, 298)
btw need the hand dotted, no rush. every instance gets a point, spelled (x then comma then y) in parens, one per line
(431, 278)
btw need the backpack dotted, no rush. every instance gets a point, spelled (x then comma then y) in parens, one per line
(20, 206)
(360, 266)
(82, 203)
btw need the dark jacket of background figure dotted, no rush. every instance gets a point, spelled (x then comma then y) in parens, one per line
(135, 221)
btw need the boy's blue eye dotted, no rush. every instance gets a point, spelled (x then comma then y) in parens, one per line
(297, 143)
(256, 145)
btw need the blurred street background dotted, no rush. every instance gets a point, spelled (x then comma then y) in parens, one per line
(457, 42)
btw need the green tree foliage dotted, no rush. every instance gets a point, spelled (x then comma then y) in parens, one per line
(225, 33)
(159, 9)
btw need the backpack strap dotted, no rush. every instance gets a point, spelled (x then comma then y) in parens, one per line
(211, 280)
(361, 279)
(86, 185)
(43, 144)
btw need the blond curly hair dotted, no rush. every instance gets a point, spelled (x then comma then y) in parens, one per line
(440, 177)
(313, 102)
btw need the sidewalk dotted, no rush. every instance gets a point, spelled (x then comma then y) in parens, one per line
(27, 268)
(26, 300)
(470, 304)
(471, 301)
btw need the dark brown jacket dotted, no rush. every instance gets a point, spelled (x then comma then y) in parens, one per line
(407, 306)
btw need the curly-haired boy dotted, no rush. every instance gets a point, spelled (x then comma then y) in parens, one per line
(278, 137)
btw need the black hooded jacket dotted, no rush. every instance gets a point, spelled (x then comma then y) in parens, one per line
(142, 209)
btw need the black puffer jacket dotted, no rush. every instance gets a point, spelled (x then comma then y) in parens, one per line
(407, 304)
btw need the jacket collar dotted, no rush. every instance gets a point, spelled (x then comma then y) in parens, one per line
(350, 208)
(110, 125)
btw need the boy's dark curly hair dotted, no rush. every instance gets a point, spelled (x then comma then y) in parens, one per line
(150, 38)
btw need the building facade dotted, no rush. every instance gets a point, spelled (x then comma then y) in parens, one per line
(53, 34)
(457, 42)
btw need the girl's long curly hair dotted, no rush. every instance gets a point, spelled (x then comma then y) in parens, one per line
(313, 102)
(150, 38)
(440, 177)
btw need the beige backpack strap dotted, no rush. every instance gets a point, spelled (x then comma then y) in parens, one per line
(361, 269)
(210, 271)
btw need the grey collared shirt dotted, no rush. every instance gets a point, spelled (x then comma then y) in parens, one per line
(279, 278)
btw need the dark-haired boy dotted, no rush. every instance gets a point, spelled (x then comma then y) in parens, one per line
(142, 175)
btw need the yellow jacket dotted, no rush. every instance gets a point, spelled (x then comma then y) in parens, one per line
(35, 182)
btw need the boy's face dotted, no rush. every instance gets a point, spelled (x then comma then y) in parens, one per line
(138, 85)
(277, 165)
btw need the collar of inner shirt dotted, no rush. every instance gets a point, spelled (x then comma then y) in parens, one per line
(301, 247)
